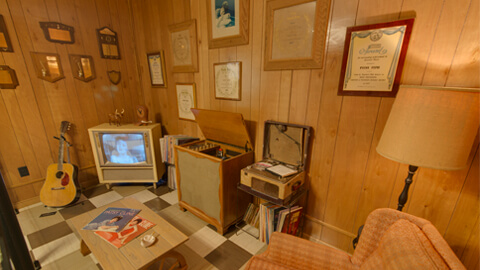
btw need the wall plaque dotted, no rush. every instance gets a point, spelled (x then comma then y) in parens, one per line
(82, 67)
(108, 43)
(58, 32)
(5, 43)
(47, 66)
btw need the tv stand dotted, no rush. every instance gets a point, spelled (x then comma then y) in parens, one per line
(148, 171)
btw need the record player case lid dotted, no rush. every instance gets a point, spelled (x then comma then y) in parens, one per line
(286, 143)
(224, 127)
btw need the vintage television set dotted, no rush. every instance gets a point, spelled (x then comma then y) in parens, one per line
(127, 153)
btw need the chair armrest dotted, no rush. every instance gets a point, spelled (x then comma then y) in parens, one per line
(298, 253)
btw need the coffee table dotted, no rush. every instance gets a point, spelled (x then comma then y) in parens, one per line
(133, 255)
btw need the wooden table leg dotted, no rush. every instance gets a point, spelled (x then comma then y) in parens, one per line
(181, 262)
(84, 248)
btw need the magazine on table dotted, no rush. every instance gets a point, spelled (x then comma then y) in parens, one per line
(113, 219)
(134, 228)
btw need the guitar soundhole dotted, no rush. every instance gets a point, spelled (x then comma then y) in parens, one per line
(59, 174)
(64, 177)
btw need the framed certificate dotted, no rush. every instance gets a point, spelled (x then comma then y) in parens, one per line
(156, 65)
(186, 100)
(183, 39)
(82, 67)
(373, 58)
(227, 22)
(228, 80)
(295, 33)
(58, 32)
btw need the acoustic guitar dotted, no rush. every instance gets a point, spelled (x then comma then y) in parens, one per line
(61, 186)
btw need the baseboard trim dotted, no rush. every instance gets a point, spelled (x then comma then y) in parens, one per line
(346, 233)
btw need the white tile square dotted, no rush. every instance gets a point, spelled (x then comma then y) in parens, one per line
(247, 241)
(30, 220)
(143, 196)
(56, 249)
(171, 197)
(205, 241)
(105, 198)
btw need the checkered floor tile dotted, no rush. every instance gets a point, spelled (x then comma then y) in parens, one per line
(54, 243)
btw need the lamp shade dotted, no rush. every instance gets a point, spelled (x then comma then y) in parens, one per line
(431, 127)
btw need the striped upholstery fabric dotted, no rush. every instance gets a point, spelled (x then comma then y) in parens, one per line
(390, 240)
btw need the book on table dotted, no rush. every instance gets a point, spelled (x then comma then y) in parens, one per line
(134, 228)
(281, 170)
(112, 219)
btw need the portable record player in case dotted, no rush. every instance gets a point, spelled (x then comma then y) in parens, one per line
(282, 169)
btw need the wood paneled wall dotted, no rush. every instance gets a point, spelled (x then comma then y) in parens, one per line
(31, 114)
(347, 178)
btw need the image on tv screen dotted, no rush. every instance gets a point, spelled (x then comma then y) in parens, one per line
(124, 148)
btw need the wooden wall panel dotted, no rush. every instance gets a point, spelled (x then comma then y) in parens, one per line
(346, 177)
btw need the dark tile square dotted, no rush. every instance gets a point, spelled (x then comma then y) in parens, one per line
(49, 234)
(160, 190)
(228, 256)
(93, 192)
(80, 208)
(157, 205)
(230, 231)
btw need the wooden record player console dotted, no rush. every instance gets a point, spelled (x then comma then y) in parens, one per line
(208, 171)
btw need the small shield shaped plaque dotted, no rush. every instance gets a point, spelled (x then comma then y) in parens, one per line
(114, 76)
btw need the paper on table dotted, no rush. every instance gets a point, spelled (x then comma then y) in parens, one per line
(281, 170)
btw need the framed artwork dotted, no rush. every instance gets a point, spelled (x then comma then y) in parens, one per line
(295, 34)
(183, 40)
(373, 58)
(186, 100)
(82, 67)
(108, 43)
(47, 66)
(156, 65)
(8, 78)
(228, 22)
(228, 80)
(5, 42)
(58, 32)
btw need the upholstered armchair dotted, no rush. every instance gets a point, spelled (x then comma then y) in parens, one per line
(390, 240)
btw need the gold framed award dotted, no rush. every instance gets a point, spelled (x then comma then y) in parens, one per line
(183, 41)
(228, 80)
(156, 65)
(186, 100)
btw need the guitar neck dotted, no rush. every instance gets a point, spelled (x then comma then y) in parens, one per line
(60, 154)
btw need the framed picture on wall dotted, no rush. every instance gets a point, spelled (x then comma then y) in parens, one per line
(295, 34)
(183, 41)
(228, 22)
(373, 58)
(156, 65)
(186, 100)
(228, 80)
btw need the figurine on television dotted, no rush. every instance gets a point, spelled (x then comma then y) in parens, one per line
(116, 118)
(141, 113)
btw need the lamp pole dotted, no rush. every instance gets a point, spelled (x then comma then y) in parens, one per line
(402, 199)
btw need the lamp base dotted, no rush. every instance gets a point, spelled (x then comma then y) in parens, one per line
(402, 199)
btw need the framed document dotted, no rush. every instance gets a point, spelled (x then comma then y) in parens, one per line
(186, 100)
(108, 43)
(156, 65)
(227, 22)
(82, 67)
(58, 32)
(47, 66)
(373, 58)
(5, 43)
(8, 78)
(228, 80)
(183, 39)
(295, 34)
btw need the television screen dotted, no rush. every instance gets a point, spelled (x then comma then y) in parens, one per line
(123, 148)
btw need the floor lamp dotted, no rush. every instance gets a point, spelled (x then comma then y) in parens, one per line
(431, 127)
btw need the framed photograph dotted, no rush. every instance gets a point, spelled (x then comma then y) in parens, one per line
(373, 58)
(82, 67)
(58, 32)
(228, 22)
(5, 43)
(108, 43)
(183, 39)
(8, 78)
(156, 65)
(47, 66)
(228, 80)
(295, 34)
(186, 100)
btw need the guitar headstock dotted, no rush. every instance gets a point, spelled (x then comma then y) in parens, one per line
(64, 127)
